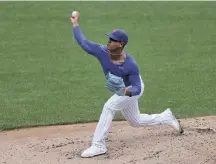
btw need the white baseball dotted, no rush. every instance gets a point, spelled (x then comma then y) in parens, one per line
(74, 13)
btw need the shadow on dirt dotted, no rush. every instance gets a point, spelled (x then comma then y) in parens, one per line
(206, 130)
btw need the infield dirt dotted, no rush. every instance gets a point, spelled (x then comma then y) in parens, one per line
(126, 144)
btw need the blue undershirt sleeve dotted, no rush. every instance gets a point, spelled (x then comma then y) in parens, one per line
(135, 81)
(88, 46)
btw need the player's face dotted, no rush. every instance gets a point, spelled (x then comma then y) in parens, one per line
(113, 44)
(115, 49)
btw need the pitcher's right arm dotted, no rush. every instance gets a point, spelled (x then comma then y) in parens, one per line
(87, 45)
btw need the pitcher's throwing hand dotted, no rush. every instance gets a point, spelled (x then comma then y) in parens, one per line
(75, 16)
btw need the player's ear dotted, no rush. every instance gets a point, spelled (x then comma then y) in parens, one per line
(122, 45)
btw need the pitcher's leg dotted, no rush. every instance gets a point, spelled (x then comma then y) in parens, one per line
(102, 129)
(132, 114)
(103, 126)
(98, 142)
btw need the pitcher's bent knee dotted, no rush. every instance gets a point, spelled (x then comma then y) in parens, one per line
(108, 107)
(134, 123)
(111, 106)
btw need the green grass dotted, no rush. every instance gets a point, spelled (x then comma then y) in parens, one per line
(46, 78)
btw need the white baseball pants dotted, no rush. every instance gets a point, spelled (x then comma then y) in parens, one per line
(129, 108)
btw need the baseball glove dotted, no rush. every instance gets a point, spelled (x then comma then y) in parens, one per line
(115, 84)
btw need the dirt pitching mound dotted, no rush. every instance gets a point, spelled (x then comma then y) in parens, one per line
(126, 145)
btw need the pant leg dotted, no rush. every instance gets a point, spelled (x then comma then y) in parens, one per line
(103, 126)
(132, 114)
(115, 103)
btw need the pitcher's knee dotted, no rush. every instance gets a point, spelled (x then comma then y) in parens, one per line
(107, 106)
(110, 106)
(135, 123)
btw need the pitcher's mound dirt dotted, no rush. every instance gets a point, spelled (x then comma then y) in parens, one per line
(126, 145)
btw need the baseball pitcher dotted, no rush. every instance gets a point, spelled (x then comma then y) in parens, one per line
(123, 79)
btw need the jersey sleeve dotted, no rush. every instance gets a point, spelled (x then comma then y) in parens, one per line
(134, 78)
(87, 45)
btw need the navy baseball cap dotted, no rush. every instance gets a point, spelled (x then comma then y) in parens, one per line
(119, 35)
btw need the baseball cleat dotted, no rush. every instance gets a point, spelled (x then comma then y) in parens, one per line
(173, 122)
(93, 151)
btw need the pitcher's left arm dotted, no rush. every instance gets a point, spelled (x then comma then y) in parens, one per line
(134, 78)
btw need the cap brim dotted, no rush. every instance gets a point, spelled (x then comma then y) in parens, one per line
(111, 36)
